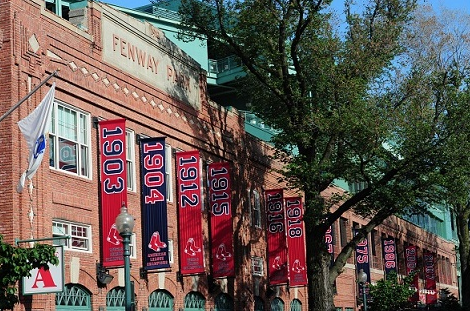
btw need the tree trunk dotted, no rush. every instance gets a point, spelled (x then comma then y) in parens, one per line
(320, 289)
(466, 288)
(464, 252)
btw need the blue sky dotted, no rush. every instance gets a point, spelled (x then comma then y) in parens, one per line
(462, 5)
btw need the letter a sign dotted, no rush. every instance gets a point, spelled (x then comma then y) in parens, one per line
(44, 281)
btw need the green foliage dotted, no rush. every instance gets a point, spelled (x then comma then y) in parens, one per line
(349, 105)
(390, 294)
(448, 302)
(16, 263)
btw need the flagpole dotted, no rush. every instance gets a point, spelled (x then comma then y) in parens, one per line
(55, 73)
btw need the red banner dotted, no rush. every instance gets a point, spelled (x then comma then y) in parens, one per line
(430, 277)
(112, 140)
(411, 260)
(276, 236)
(189, 212)
(296, 242)
(220, 202)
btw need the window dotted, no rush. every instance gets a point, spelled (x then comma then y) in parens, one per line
(343, 224)
(130, 160)
(80, 235)
(59, 8)
(132, 248)
(168, 170)
(248, 204)
(170, 252)
(259, 304)
(62, 8)
(296, 305)
(161, 300)
(116, 298)
(373, 241)
(223, 302)
(257, 266)
(169, 173)
(202, 175)
(356, 187)
(70, 140)
(194, 301)
(256, 209)
(74, 297)
(277, 304)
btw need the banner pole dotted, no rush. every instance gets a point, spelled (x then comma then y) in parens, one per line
(55, 73)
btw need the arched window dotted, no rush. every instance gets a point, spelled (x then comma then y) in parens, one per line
(160, 300)
(194, 301)
(277, 304)
(223, 302)
(259, 304)
(296, 305)
(74, 297)
(116, 299)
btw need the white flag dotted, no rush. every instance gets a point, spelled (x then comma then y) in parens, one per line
(34, 128)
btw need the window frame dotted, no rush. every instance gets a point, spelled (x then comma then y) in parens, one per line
(133, 246)
(257, 223)
(67, 243)
(168, 169)
(343, 231)
(171, 257)
(130, 160)
(257, 262)
(81, 118)
(169, 172)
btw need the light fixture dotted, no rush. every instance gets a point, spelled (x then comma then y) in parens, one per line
(124, 225)
(102, 274)
(362, 279)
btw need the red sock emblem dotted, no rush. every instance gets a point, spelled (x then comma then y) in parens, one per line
(191, 249)
(156, 243)
(222, 253)
(113, 236)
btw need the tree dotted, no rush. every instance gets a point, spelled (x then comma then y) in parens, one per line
(448, 301)
(390, 294)
(439, 46)
(342, 109)
(16, 263)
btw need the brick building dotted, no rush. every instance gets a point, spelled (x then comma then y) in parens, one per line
(112, 66)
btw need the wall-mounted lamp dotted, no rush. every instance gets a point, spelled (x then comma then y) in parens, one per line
(179, 276)
(102, 274)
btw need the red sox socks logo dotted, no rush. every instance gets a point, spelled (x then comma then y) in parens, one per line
(222, 253)
(113, 236)
(191, 249)
(277, 263)
(296, 267)
(156, 243)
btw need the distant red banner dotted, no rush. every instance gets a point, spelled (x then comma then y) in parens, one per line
(296, 242)
(112, 140)
(189, 212)
(276, 236)
(429, 260)
(411, 261)
(220, 202)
